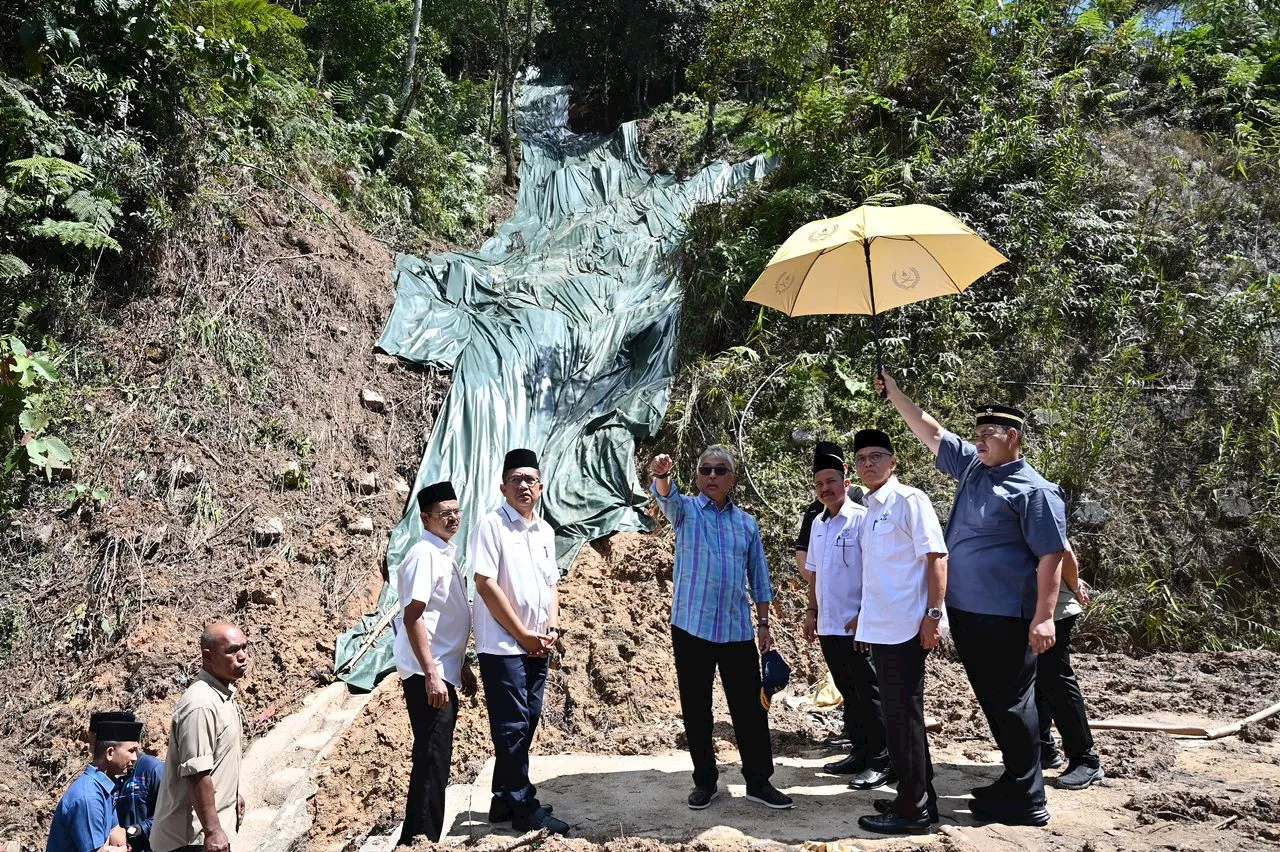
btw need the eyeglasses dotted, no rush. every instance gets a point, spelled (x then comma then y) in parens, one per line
(531, 481)
(718, 470)
(447, 514)
(984, 434)
(872, 458)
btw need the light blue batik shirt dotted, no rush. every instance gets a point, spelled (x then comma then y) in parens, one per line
(720, 568)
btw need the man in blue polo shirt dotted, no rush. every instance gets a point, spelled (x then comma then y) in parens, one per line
(720, 572)
(1006, 537)
(85, 820)
(136, 796)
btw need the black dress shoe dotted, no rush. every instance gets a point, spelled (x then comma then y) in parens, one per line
(1050, 758)
(985, 811)
(500, 809)
(893, 824)
(541, 818)
(869, 779)
(851, 765)
(885, 806)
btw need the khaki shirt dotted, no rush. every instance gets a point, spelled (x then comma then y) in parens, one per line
(204, 736)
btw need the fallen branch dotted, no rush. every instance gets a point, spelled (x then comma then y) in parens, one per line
(369, 642)
(299, 192)
(1188, 730)
(1226, 822)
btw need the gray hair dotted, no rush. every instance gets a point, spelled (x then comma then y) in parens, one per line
(719, 451)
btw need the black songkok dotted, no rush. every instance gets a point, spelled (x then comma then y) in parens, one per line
(1001, 415)
(119, 731)
(520, 458)
(437, 493)
(828, 456)
(109, 716)
(871, 438)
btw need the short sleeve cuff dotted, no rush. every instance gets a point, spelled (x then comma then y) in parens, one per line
(196, 765)
(483, 570)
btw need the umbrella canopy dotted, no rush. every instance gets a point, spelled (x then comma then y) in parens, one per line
(871, 259)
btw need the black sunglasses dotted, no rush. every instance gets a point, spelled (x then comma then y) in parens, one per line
(718, 470)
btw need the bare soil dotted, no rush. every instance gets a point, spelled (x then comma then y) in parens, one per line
(249, 354)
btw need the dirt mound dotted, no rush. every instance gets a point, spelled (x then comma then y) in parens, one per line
(228, 395)
(1256, 815)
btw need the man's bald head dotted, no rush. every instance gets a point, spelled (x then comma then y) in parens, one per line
(224, 651)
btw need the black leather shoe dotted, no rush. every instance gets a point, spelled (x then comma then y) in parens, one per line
(1050, 758)
(893, 824)
(869, 779)
(500, 809)
(701, 797)
(837, 741)
(1036, 815)
(885, 806)
(851, 765)
(541, 818)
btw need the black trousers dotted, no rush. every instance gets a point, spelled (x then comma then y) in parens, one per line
(739, 664)
(901, 670)
(854, 675)
(1001, 666)
(513, 690)
(432, 755)
(1058, 697)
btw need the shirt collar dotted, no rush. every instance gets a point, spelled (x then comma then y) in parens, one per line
(847, 510)
(447, 548)
(882, 495)
(226, 690)
(704, 501)
(1008, 468)
(102, 779)
(518, 519)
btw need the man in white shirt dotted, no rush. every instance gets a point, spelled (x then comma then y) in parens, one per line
(833, 564)
(513, 555)
(904, 583)
(430, 651)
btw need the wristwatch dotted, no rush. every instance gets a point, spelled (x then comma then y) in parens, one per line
(934, 613)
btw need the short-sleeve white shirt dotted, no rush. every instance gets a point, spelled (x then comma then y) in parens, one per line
(521, 556)
(835, 558)
(899, 531)
(430, 575)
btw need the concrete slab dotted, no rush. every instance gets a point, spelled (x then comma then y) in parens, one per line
(610, 796)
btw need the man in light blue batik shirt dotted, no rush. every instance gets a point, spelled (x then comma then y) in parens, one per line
(720, 572)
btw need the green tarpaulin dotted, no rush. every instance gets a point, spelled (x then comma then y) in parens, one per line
(561, 334)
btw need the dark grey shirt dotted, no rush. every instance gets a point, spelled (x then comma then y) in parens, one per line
(1004, 519)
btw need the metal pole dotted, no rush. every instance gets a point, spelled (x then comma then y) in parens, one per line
(875, 318)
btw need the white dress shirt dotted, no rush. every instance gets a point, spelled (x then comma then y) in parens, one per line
(430, 574)
(521, 556)
(900, 530)
(835, 558)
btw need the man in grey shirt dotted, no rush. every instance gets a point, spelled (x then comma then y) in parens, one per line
(1006, 537)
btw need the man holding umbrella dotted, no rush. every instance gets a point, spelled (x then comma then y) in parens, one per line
(1006, 537)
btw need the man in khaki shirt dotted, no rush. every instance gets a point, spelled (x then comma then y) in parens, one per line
(200, 806)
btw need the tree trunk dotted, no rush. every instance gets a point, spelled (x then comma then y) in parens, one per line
(709, 138)
(411, 58)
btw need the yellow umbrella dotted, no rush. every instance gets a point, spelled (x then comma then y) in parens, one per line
(871, 259)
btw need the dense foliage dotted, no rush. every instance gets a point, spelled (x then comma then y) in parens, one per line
(1124, 157)
(120, 119)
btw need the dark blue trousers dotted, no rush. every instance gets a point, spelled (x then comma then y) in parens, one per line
(997, 656)
(513, 690)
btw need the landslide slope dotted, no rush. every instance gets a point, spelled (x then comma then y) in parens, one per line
(228, 395)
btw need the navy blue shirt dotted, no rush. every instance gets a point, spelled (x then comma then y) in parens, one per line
(1004, 519)
(85, 816)
(136, 804)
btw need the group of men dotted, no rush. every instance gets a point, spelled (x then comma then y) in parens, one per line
(128, 800)
(880, 570)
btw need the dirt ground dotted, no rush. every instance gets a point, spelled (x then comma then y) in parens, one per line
(614, 694)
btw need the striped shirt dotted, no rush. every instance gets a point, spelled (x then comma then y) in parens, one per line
(720, 568)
